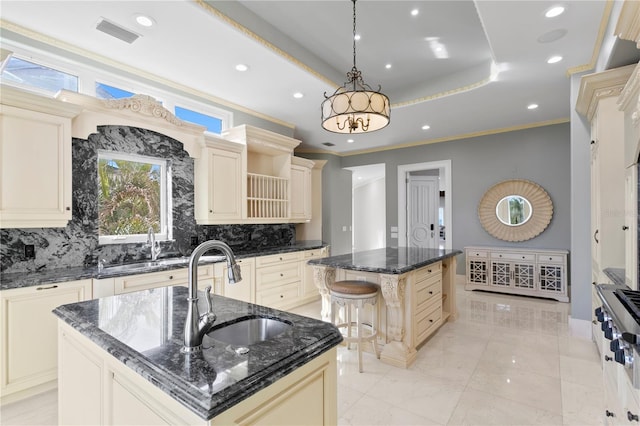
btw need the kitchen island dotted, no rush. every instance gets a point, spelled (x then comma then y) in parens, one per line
(418, 291)
(120, 362)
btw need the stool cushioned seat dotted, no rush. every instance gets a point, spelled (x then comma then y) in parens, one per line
(354, 287)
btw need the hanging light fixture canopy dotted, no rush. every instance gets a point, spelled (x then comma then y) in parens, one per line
(355, 107)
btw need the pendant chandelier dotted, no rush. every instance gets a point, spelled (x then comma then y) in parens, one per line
(355, 107)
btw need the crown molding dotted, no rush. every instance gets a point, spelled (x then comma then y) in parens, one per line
(594, 87)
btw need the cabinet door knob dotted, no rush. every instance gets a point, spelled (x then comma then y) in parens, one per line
(609, 413)
(595, 236)
(625, 227)
(170, 277)
(632, 417)
(68, 208)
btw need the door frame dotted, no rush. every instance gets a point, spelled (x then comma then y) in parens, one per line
(403, 172)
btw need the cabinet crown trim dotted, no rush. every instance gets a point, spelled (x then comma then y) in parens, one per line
(594, 87)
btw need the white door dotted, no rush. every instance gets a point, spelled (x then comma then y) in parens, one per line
(422, 211)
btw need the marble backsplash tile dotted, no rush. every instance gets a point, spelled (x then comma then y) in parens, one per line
(77, 243)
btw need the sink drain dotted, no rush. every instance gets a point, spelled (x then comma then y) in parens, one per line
(241, 350)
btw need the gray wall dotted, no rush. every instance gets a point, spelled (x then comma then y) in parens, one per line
(541, 155)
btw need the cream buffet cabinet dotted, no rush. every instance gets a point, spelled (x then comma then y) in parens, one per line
(530, 272)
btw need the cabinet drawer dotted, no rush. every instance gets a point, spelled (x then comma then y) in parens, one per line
(427, 292)
(546, 258)
(477, 253)
(312, 254)
(278, 297)
(514, 256)
(277, 259)
(278, 274)
(428, 322)
(426, 272)
(159, 279)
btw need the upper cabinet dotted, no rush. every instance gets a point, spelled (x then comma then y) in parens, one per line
(251, 176)
(219, 184)
(301, 189)
(598, 101)
(630, 103)
(35, 160)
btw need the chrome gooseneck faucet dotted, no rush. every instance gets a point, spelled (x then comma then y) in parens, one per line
(197, 325)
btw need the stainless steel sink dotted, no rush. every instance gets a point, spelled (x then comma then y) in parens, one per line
(141, 266)
(249, 331)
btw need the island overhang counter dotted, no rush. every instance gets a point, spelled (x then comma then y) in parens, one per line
(120, 361)
(417, 287)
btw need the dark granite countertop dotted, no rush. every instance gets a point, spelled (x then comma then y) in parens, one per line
(144, 330)
(53, 275)
(616, 275)
(390, 260)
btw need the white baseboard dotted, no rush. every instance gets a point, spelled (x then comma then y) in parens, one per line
(580, 328)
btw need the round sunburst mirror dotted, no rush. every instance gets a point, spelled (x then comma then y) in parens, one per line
(515, 210)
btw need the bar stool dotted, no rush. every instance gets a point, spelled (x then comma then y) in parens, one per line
(356, 294)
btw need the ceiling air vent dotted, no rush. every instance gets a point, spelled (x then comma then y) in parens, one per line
(116, 31)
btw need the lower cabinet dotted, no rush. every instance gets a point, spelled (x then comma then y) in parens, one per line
(243, 290)
(97, 389)
(531, 272)
(427, 301)
(29, 342)
(279, 280)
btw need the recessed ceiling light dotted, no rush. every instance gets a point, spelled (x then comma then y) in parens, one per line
(415, 12)
(357, 37)
(532, 106)
(241, 67)
(554, 11)
(426, 127)
(359, 177)
(145, 21)
(387, 66)
(349, 140)
(298, 95)
(554, 59)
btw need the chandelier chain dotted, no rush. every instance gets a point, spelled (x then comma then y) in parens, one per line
(354, 34)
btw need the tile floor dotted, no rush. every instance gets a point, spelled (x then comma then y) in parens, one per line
(506, 360)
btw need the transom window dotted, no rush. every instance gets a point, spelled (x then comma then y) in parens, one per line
(104, 91)
(133, 197)
(213, 124)
(26, 73)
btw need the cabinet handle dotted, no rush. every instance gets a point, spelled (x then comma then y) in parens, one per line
(632, 417)
(609, 413)
(170, 277)
(430, 320)
(595, 236)
(625, 227)
(429, 270)
(593, 283)
(593, 142)
(608, 358)
(431, 292)
(282, 275)
(210, 211)
(594, 322)
(282, 296)
(68, 208)
(47, 288)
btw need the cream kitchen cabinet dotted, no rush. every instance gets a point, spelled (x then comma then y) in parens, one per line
(220, 188)
(35, 160)
(531, 272)
(29, 342)
(427, 302)
(279, 280)
(598, 101)
(112, 393)
(129, 283)
(629, 102)
(309, 291)
(301, 195)
(243, 290)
